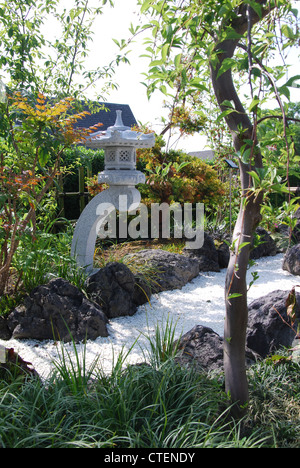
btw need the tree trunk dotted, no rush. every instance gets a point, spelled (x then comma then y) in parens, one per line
(236, 307)
(249, 217)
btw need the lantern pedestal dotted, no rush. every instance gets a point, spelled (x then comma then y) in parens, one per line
(86, 230)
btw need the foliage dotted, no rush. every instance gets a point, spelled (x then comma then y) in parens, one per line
(47, 257)
(280, 143)
(78, 159)
(30, 161)
(78, 156)
(178, 177)
(156, 405)
(33, 58)
(274, 403)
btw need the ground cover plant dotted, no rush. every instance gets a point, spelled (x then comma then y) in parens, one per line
(151, 405)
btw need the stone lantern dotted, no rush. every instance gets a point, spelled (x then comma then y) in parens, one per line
(120, 144)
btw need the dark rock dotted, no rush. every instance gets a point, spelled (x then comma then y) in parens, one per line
(206, 256)
(114, 289)
(170, 270)
(142, 290)
(268, 330)
(266, 245)
(223, 251)
(295, 236)
(57, 310)
(5, 333)
(202, 348)
(291, 261)
(268, 324)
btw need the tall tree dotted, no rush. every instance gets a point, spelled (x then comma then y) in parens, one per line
(196, 40)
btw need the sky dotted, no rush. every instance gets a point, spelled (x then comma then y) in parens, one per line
(114, 23)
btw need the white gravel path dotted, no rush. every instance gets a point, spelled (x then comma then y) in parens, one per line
(199, 302)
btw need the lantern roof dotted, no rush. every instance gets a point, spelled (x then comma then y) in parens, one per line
(120, 135)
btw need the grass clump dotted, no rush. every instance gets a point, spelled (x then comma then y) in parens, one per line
(275, 400)
(155, 404)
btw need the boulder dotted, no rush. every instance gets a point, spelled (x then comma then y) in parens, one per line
(5, 333)
(169, 270)
(202, 348)
(295, 237)
(291, 261)
(266, 245)
(57, 310)
(206, 256)
(268, 330)
(223, 254)
(222, 244)
(269, 327)
(116, 290)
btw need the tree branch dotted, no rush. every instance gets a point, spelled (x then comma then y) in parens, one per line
(279, 117)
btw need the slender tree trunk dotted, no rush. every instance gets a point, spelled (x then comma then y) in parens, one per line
(249, 217)
(236, 307)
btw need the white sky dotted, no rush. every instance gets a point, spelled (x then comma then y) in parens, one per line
(114, 23)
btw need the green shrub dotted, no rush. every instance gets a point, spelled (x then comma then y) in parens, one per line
(46, 256)
(178, 177)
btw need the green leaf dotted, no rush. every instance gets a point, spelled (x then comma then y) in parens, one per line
(254, 176)
(291, 82)
(232, 34)
(254, 104)
(262, 172)
(177, 60)
(169, 34)
(224, 114)
(232, 296)
(287, 31)
(43, 156)
(164, 52)
(184, 77)
(223, 10)
(256, 7)
(285, 91)
(145, 5)
(243, 244)
(154, 63)
(3, 199)
(226, 65)
(227, 103)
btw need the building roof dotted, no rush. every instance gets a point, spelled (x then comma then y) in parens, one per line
(205, 154)
(107, 116)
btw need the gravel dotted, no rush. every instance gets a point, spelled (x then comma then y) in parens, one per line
(199, 302)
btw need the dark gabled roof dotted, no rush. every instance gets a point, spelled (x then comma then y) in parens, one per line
(108, 116)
